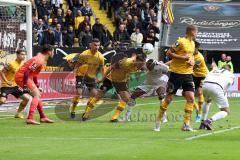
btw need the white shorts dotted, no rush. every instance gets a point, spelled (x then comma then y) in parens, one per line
(152, 87)
(215, 93)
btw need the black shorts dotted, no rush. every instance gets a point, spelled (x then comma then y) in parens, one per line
(180, 80)
(107, 85)
(15, 91)
(81, 82)
(120, 86)
(198, 81)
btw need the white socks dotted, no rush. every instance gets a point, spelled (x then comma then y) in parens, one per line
(219, 115)
(205, 110)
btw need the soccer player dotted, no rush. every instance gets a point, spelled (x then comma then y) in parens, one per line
(26, 78)
(86, 69)
(116, 76)
(181, 70)
(119, 74)
(156, 81)
(9, 85)
(104, 88)
(200, 71)
(215, 86)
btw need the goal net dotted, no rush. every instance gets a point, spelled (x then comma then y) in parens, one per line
(15, 29)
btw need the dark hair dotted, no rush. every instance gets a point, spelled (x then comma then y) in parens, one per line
(95, 40)
(151, 31)
(50, 28)
(20, 51)
(141, 57)
(46, 48)
(137, 27)
(197, 44)
(150, 64)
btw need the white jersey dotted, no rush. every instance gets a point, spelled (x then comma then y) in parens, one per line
(222, 77)
(157, 76)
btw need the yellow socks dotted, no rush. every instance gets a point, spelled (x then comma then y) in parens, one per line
(119, 109)
(90, 105)
(200, 103)
(188, 113)
(21, 106)
(163, 108)
(20, 109)
(75, 101)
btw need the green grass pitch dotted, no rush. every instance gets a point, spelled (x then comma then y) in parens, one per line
(99, 139)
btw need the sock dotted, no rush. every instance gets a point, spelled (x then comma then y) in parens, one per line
(33, 106)
(40, 109)
(188, 113)
(196, 107)
(119, 109)
(157, 125)
(75, 101)
(21, 107)
(129, 112)
(219, 115)
(200, 103)
(129, 109)
(163, 108)
(90, 105)
(165, 116)
(205, 110)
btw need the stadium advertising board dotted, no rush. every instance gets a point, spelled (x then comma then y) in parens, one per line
(218, 24)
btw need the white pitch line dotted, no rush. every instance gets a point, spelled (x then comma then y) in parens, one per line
(212, 133)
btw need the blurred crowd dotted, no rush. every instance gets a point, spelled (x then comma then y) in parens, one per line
(135, 21)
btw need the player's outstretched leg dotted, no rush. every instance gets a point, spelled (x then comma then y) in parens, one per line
(217, 116)
(205, 110)
(161, 91)
(90, 105)
(121, 105)
(163, 108)
(132, 102)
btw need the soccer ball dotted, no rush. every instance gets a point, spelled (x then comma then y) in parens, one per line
(148, 48)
